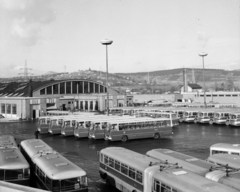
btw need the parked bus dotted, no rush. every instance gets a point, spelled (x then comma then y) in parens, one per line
(43, 124)
(13, 166)
(169, 115)
(99, 126)
(56, 124)
(225, 148)
(68, 126)
(189, 116)
(52, 171)
(232, 161)
(7, 140)
(199, 167)
(234, 119)
(56, 113)
(82, 128)
(204, 116)
(130, 171)
(123, 130)
(219, 117)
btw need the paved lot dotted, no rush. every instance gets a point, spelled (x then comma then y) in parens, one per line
(192, 139)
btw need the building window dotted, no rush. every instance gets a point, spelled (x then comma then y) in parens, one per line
(55, 89)
(85, 87)
(96, 88)
(3, 108)
(14, 109)
(49, 90)
(74, 86)
(91, 87)
(68, 87)
(80, 87)
(8, 106)
(62, 88)
(42, 91)
(105, 90)
(101, 89)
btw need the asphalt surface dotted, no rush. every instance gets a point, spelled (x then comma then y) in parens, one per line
(191, 139)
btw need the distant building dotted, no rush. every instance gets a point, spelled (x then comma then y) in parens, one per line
(33, 99)
(192, 87)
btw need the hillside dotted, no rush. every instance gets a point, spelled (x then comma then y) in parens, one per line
(216, 79)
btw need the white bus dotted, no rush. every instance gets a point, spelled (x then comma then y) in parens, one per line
(198, 166)
(225, 148)
(204, 116)
(123, 130)
(234, 119)
(52, 171)
(232, 161)
(43, 124)
(130, 171)
(219, 117)
(189, 115)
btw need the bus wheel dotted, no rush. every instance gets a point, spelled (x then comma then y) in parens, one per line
(124, 138)
(211, 122)
(227, 123)
(156, 136)
(195, 120)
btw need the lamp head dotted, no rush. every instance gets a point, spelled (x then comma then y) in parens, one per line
(202, 54)
(106, 42)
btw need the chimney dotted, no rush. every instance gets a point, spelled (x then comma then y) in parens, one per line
(184, 80)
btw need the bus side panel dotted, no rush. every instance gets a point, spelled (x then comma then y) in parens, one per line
(144, 133)
(122, 177)
(99, 134)
(43, 128)
(116, 135)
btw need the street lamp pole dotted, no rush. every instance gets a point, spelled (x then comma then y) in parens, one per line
(107, 42)
(204, 55)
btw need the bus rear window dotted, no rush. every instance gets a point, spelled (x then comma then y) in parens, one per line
(13, 174)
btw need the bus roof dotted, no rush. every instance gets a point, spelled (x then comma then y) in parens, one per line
(188, 182)
(189, 163)
(144, 119)
(130, 158)
(34, 146)
(12, 159)
(223, 159)
(7, 140)
(57, 167)
(226, 147)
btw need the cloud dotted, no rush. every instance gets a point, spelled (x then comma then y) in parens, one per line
(28, 18)
(203, 38)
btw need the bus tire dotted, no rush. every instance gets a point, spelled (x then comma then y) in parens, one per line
(124, 138)
(156, 136)
(227, 123)
(195, 121)
(211, 122)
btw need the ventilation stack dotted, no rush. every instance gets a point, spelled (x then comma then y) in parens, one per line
(184, 80)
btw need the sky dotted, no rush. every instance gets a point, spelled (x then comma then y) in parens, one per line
(148, 35)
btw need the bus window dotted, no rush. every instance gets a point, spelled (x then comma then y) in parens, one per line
(49, 183)
(156, 186)
(124, 169)
(111, 162)
(234, 153)
(117, 165)
(55, 186)
(216, 152)
(138, 125)
(13, 174)
(139, 176)
(104, 125)
(105, 159)
(165, 188)
(1, 174)
(132, 173)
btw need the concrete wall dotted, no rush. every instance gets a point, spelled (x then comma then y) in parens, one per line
(147, 97)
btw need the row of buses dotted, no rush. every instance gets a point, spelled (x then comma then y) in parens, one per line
(130, 171)
(112, 128)
(227, 116)
(36, 164)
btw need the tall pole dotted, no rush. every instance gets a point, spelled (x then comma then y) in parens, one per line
(107, 80)
(204, 91)
(107, 42)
